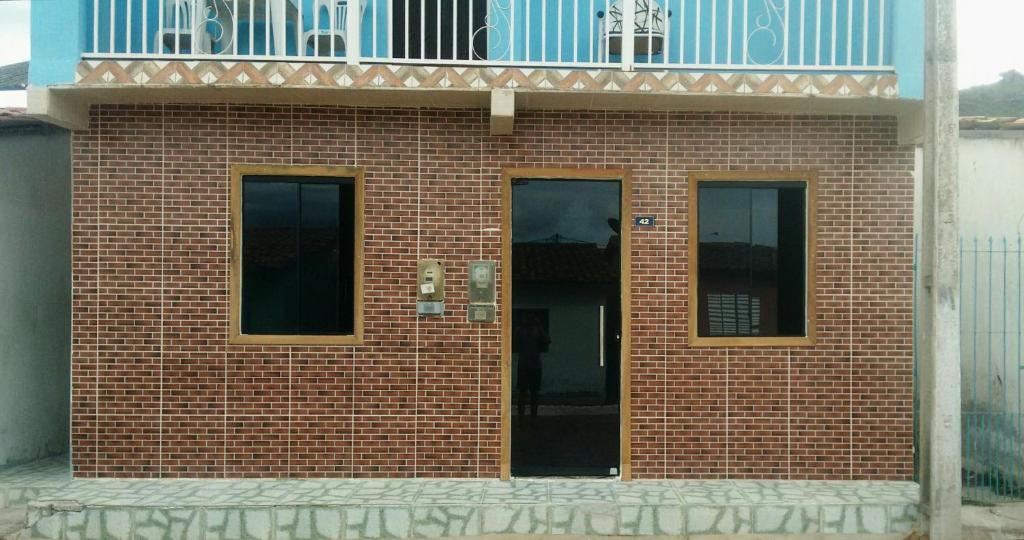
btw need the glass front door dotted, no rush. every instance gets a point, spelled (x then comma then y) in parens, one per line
(566, 331)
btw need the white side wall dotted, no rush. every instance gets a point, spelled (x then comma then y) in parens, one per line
(991, 183)
(991, 306)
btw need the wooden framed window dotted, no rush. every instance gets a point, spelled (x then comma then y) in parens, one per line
(296, 255)
(752, 252)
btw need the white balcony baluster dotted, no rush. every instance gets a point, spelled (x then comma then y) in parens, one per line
(529, 36)
(728, 37)
(177, 26)
(835, 37)
(391, 30)
(145, 27)
(665, 49)
(785, 35)
(803, 21)
(558, 35)
(96, 26)
(714, 31)
(471, 46)
(817, 34)
(113, 28)
(682, 31)
(423, 29)
(746, 33)
(881, 32)
(128, 27)
(575, 35)
(623, 34)
(606, 38)
(849, 32)
(252, 27)
(866, 34)
(543, 30)
(628, 34)
(353, 28)
(697, 26)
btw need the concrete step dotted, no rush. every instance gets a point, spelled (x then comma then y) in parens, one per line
(12, 520)
(367, 509)
(31, 481)
(427, 508)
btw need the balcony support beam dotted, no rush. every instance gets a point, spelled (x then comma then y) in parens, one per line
(57, 109)
(910, 127)
(503, 111)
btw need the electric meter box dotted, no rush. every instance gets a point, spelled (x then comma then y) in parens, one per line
(430, 281)
(481, 282)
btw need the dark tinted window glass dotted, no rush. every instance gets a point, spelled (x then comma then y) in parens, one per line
(297, 256)
(751, 271)
(420, 39)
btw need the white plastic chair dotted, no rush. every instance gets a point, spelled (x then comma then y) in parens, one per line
(648, 29)
(319, 39)
(178, 27)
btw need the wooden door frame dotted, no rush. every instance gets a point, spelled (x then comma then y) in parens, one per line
(625, 291)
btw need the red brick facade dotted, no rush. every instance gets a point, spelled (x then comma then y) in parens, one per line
(158, 391)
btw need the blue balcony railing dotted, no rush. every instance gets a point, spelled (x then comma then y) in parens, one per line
(785, 35)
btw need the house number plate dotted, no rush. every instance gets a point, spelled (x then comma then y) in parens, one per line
(645, 221)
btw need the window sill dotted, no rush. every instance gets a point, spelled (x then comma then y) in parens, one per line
(249, 339)
(751, 341)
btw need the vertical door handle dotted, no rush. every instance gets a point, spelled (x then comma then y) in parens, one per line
(600, 344)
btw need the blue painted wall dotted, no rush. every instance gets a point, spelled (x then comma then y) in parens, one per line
(58, 39)
(908, 49)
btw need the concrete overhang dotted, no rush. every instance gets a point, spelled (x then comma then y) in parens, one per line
(68, 105)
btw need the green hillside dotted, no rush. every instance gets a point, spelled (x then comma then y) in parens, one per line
(1004, 98)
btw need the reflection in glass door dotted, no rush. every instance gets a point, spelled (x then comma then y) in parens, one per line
(566, 330)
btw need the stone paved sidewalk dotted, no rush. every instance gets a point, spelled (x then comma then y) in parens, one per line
(24, 483)
(360, 509)
(998, 522)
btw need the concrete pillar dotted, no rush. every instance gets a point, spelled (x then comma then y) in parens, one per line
(503, 111)
(940, 270)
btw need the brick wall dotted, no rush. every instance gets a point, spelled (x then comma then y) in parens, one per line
(158, 391)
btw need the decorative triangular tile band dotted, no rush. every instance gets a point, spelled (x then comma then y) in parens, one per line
(313, 75)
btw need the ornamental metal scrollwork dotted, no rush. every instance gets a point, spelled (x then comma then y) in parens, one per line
(211, 18)
(497, 23)
(765, 29)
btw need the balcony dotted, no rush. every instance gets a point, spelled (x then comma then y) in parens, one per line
(822, 36)
(662, 54)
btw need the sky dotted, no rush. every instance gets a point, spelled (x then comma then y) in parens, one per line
(989, 40)
(14, 44)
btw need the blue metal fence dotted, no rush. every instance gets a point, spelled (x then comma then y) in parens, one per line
(991, 364)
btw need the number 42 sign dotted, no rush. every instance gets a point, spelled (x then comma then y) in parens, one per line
(644, 221)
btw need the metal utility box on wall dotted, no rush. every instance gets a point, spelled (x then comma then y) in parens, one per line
(430, 288)
(481, 292)
(430, 281)
(481, 282)
(481, 313)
